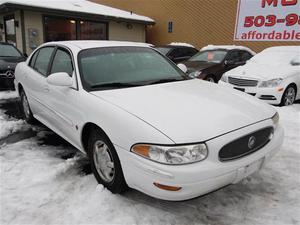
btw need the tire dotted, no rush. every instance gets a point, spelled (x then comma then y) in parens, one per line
(210, 78)
(105, 163)
(288, 96)
(27, 114)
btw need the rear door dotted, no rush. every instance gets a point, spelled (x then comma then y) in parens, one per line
(64, 102)
(34, 81)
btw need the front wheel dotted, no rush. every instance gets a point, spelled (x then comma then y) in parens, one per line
(27, 114)
(105, 162)
(210, 78)
(288, 96)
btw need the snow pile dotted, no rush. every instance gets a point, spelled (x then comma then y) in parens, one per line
(226, 47)
(82, 6)
(4, 95)
(181, 44)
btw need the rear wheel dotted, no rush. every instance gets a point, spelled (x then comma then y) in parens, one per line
(27, 114)
(105, 162)
(288, 96)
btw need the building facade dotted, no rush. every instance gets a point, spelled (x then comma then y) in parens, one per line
(28, 26)
(198, 22)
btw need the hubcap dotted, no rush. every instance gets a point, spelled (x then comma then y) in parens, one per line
(103, 161)
(289, 97)
(210, 79)
(26, 108)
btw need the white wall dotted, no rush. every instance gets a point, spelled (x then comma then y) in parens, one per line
(120, 32)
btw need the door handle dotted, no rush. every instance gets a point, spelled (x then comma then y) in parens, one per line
(46, 88)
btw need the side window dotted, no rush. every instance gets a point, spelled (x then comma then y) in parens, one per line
(43, 59)
(62, 62)
(245, 56)
(191, 51)
(33, 59)
(233, 56)
(176, 53)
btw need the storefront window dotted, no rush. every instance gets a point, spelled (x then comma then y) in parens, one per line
(92, 30)
(61, 29)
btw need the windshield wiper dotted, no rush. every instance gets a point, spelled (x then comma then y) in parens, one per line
(114, 85)
(165, 81)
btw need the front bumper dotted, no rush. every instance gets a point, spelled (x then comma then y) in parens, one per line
(200, 178)
(269, 95)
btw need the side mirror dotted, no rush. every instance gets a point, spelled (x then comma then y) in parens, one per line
(229, 63)
(295, 62)
(25, 55)
(60, 79)
(182, 67)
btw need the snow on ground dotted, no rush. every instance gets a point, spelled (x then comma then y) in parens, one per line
(8, 95)
(42, 183)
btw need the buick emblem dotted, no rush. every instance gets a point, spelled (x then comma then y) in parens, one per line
(9, 74)
(251, 142)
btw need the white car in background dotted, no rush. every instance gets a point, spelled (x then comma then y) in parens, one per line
(142, 121)
(272, 75)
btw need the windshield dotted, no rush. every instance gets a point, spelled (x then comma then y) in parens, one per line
(163, 50)
(275, 57)
(9, 51)
(214, 56)
(117, 67)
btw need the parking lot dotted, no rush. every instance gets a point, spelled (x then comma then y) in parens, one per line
(44, 180)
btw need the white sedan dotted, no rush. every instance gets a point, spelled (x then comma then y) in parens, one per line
(272, 76)
(142, 121)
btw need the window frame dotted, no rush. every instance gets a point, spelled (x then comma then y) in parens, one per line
(66, 51)
(37, 51)
(64, 48)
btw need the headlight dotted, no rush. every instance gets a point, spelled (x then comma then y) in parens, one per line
(224, 78)
(195, 74)
(271, 83)
(275, 118)
(173, 155)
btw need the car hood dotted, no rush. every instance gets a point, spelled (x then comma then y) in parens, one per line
(198, 66)
(263, 71)
(189, 111)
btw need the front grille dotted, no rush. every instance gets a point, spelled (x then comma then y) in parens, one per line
(242, 82)
(246, 145)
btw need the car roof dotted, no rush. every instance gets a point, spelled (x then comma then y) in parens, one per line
(97, 44)
(173, 46)
(227, 48)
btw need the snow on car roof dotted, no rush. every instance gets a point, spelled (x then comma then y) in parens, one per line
(227, 47)
(181, 44)
(98, 44)
(283, 49)
(80, 6)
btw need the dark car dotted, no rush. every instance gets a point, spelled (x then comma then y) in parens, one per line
(177, 53)
(212, 62)
(10, 56)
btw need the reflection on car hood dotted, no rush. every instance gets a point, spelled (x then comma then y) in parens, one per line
(189, 111)
(263, 71)
(198, 66)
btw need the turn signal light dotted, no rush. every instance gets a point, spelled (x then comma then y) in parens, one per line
(166, 187)
(280, 89)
